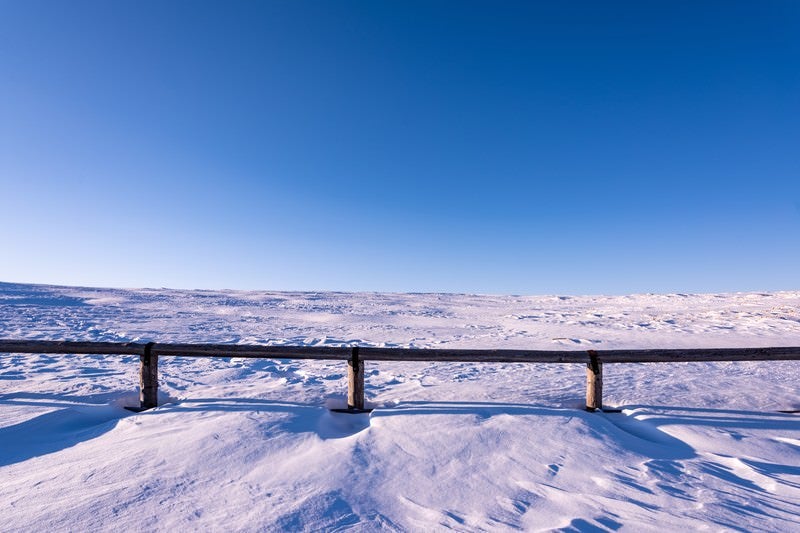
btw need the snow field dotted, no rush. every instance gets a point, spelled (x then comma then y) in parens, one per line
(249, 445)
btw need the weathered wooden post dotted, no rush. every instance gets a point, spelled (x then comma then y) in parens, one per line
(148, 378)
(594, 383)
(355, 381)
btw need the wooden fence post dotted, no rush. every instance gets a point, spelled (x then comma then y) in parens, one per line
(594, 383)
(355, 381)
(148, 378)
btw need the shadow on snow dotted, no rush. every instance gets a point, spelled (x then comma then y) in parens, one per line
(79, 419)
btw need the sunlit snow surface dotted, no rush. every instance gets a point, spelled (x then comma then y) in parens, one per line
(249, 445)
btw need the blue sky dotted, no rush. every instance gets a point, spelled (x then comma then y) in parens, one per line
(492, 147)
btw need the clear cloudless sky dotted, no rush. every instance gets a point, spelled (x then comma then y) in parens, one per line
(492, 147)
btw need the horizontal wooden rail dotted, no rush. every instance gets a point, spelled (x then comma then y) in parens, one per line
(71, 347)
(356, 355)
(405, 354)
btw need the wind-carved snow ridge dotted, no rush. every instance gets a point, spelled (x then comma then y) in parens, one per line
(321, 341)
(250, 444)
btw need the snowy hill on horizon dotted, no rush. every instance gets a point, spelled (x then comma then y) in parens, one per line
(249, 445)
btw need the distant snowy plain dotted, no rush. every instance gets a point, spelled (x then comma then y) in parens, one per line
(249, 445)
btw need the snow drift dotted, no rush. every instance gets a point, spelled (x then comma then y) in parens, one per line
(247, 445)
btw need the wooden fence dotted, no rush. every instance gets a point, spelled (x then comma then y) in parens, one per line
(356, 356)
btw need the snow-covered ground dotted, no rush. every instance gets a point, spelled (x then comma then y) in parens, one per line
(249, 445)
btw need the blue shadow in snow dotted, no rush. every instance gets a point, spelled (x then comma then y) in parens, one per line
(636, 435)
(71, 423)
(303, 418)
(663, 415)
(46, 301)
(82, 418)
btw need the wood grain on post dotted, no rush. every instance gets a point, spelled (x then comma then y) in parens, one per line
(355, 381)
(148, 378)
(594, 383)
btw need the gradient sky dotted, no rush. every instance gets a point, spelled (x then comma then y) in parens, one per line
(491, 147)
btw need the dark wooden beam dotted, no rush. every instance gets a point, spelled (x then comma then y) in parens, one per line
(71, 347)
(693, 355)
(407, 354)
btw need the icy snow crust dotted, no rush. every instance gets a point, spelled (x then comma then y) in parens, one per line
(249, 445)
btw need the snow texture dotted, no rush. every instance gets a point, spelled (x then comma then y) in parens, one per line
(250, 445)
